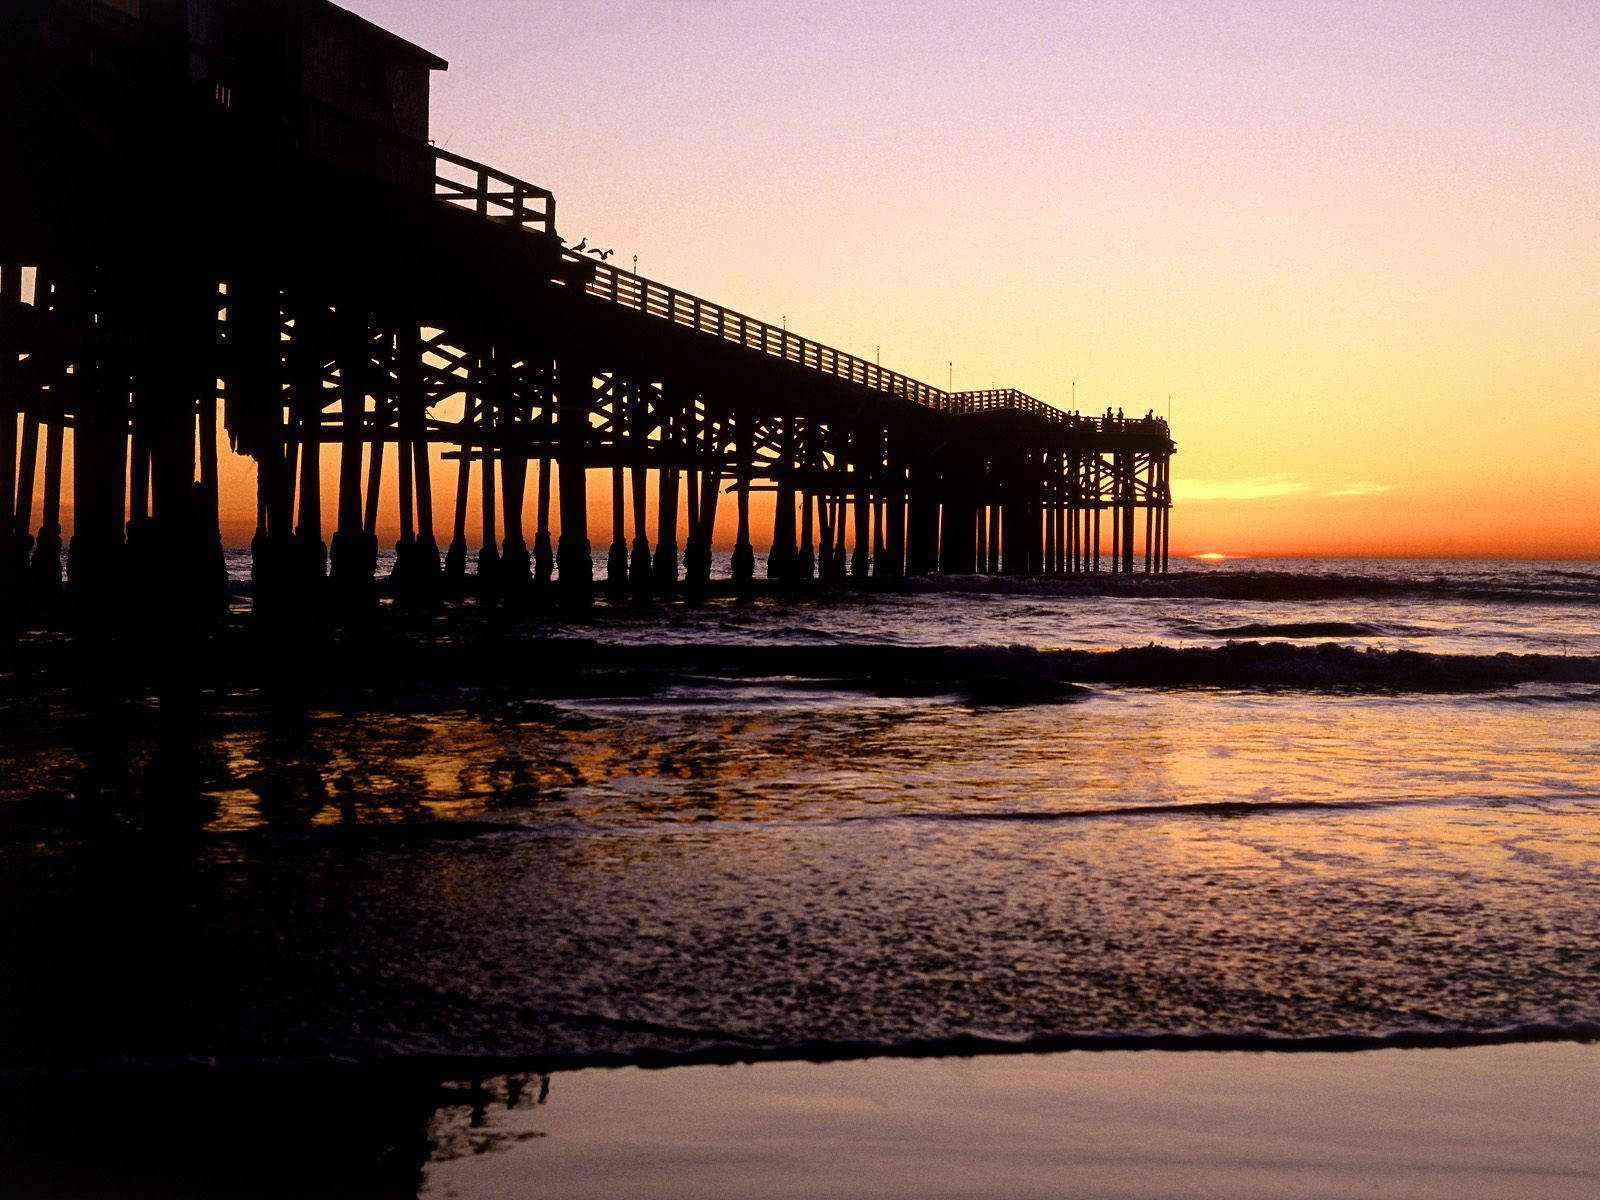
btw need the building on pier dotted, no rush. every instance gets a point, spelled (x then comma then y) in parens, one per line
(227, 226)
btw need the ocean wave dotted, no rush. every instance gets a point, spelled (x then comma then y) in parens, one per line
(740, 1051)
(1019, 674)
(1315, 629)
(509, 673)
(983, 675)
(1546, 697)
(1509, 583)
(1204, 808)
(710, 1046)
(1543, 587)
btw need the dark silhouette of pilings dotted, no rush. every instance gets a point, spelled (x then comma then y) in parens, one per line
(308, 380)
(356, 332)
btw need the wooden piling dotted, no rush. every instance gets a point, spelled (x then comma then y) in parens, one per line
(667, 481)
(781, 558)
(641, 572)
(744, 557)
(10, 346)
(573, 565)
(516, 566)
(99, 472)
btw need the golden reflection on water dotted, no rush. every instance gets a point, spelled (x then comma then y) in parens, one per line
(780, 864)
(599, 763)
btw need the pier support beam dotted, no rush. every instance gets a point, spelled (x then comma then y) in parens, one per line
(782, 558)
(419, 578)
(544, 559)
(99, 473)
(617, 555)
(667, 481)
(575, 391)
(639, 424)
(958, 526)
(810, 463)
(14, 536)
(352, 557)
(922, 524)
(46, 569)
(516, 565)
(488, 579)
(455, 555)
(1128, 502)
(863, 476)
(744, 555)
(294, 547)
(710, 446)
(894, 560)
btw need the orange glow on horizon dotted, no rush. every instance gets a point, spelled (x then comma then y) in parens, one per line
(1333, 522)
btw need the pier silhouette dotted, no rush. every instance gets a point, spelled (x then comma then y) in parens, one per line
(225, 220)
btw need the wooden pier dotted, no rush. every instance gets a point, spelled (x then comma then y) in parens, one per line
(224, 220)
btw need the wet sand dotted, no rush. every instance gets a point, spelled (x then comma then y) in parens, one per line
(1497, 1121)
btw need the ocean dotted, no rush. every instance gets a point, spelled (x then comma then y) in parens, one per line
(1254, 804)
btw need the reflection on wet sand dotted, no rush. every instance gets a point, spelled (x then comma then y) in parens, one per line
(1508, 1122)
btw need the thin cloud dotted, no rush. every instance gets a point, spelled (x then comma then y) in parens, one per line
(1363, 487)
(1270, 487)
(1256, 488)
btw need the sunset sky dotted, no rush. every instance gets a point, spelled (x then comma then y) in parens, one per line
(1358, 245)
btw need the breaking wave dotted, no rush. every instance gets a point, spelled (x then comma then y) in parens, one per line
(720, 1048)
(1547, 586)
(1208, 808)
(1315, 629)
(668, 1045)
(1015, 674)
(492, 668)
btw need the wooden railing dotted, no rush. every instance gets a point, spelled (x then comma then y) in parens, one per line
(1015, 401)
(1003, 398)
(681, 308)
(492, 194)
(496, 196)
(704, 316)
